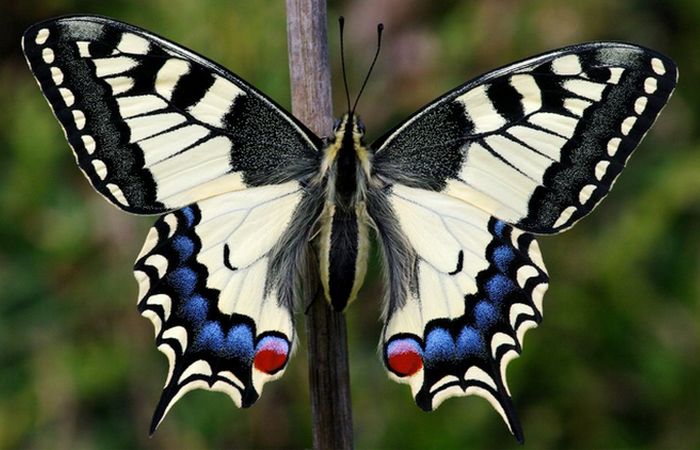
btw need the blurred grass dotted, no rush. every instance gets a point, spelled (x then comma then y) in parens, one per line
(615, 365)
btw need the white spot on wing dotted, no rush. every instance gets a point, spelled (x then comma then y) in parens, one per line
(627, 125)
(171, 221)
(576, 105)
(447, 379)
(650, 85)
(566, 65)
(83, 48)
(118, 194)
(163, 301)
(47, 55)
(478, 374)
(179, 334)
(480, 110)
(100, 168)
(120, 84)
(499, 339)
(564, 216)
(658, 66)
(199, 367)
(601, 168)
(585, 193)
(615, 74)
(640, 105)
(159, 262)
(79, 118)
(516, 310)
(67, 95)
(525, 273)
(143, 281)
(538, 295)
(89, 143)
(42, 36)
(169, 352)
(527, 87)
(131, 43)
(216, 102)
(150, 243)
(56, 75)
(613, 145)
(169, 75)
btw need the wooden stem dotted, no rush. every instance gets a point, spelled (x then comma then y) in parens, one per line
(329, 380)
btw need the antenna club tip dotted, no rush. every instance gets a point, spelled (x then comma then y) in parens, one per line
(380, 27)
(341, 19)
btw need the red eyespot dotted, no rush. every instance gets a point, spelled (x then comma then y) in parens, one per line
(271, 354)
(404, 357)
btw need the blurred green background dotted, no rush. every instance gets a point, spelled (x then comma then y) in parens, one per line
(616, 363)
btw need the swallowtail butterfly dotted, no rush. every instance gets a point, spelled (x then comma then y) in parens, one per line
(249, 197)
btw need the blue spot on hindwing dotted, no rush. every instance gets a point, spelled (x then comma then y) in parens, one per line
(196, 309)
(470, 342)
(498, 286)
(210, 337)
(498, 228)
(188, 214)
(485, 314)
(503, 255)
(439, 346)
(183, 280)
(184, 247)
(239, 343)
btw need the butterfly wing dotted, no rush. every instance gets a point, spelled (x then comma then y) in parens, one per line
(154, 126)
(217, 279)
(528, 148)
(474, 286)
(538, 143)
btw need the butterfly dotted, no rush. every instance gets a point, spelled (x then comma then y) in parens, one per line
(253, 205)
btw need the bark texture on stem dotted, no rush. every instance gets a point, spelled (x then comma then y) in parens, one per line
(327, 343)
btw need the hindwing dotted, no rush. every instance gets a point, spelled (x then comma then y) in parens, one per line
(474, 287)
(217, 279)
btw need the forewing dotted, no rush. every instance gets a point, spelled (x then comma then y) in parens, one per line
(538, 143)
(154, 126)
(217, 280)
(474, 287)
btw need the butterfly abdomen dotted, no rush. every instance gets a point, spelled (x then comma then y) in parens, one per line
(343, 254)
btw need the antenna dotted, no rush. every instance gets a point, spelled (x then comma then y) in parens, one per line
(380, 28)
(341, 22)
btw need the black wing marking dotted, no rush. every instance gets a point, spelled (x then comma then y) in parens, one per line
(155, 126)
(537, 143)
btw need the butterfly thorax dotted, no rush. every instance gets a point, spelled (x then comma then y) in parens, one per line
(343, 238)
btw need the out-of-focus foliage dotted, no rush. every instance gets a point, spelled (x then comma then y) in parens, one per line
(615, 364)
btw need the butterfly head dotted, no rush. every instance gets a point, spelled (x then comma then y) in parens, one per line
(349, 128)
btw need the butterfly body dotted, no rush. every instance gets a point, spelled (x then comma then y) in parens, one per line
(344, 225)
(255, 209)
